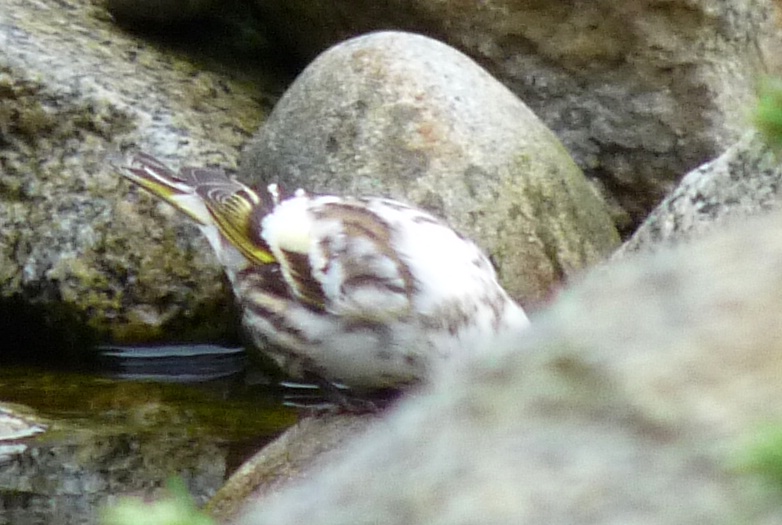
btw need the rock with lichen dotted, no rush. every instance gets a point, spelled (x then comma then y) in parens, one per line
(75, 91)
(746, 180)
(649, 393)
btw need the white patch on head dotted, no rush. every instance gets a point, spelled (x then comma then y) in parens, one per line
(289, 227)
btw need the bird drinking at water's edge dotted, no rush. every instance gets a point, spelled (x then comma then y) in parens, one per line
(366, 292)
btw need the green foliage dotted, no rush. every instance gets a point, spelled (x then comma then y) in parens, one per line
(176, 509)
(763, 455)
(768, 112)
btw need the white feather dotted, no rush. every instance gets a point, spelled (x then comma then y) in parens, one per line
(288, 227)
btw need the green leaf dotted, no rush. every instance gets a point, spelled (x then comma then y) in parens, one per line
(768, 112)
(177, 508)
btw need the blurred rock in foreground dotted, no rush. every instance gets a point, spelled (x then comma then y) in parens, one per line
(631, 400)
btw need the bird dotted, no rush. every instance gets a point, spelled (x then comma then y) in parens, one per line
(364, 292)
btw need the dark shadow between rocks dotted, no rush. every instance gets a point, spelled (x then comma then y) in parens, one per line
(223, 36)
(50, 335)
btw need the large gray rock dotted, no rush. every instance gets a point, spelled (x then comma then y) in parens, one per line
(633, 400)
(639, 92)
(745, 180)
(74, 90)
(401, 115)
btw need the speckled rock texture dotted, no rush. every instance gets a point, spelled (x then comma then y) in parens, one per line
(74, 92)
(639, 92)
(405, 116)
(633, 400)
(745, 180)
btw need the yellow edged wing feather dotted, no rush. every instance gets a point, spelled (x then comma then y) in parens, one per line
(208, 196)
(233, 208)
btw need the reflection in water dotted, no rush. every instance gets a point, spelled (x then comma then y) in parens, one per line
(172, 363)
(195, 415)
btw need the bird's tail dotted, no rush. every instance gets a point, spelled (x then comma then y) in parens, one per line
(209, 197)
(178, 189)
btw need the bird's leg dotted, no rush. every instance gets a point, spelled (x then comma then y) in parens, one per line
(340, 398)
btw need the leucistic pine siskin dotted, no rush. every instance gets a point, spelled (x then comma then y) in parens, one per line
(365, 292)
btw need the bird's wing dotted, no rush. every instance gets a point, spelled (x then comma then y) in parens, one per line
(207, 196)
(339, 255)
